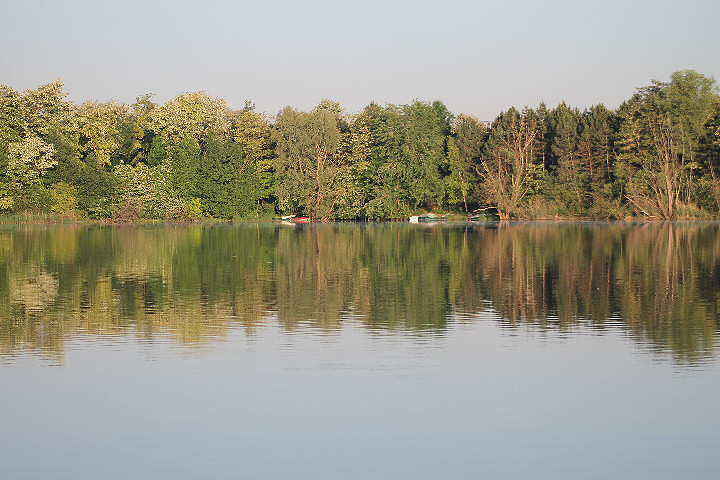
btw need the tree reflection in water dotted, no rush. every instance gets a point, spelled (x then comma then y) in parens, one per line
(659, 282)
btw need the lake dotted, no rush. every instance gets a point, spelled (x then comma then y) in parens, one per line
(533, 350)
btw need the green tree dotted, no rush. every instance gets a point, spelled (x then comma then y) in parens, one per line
(458, 181)
(598, 131)
(12, 127)
(227, 186)
(12, 122)
(96, 187)
(662, 126)
(136, 148)
(32, 126)
(308, 159)
(157, 153)
(252, 133)
(569, 160)
(184, 166)
(427, 126)
(28, 160)
(379, 158)
(193, 114)
(707, 191)
(509, 168)
(100, 126)
(398, 158)
(468, 136)
(46, 109)
(146, 192)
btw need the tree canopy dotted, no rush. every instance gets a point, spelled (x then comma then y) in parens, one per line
(655, 156)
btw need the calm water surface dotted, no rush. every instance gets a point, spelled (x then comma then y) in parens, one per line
(360, 351)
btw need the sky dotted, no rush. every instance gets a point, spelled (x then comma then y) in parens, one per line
(477, 57)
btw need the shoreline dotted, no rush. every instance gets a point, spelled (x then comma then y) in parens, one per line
(213, 221)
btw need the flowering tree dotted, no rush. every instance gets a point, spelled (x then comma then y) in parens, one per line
(28, 160)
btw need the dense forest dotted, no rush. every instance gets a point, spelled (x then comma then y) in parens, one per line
(656, 156)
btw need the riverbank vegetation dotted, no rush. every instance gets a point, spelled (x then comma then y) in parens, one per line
(656, 156)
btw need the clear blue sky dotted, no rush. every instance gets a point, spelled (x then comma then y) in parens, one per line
(478, 57)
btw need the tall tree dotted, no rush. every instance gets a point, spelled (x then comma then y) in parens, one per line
(707, 192)
(99, 128)
(662, 126)
(193, 114)
(464, 153)
(45, 109)
(28, 160)
(598, 131)
(12, 122)
(223, 189)
(427, 126)
(29, 124)
(308, 159)
(380, 162)
(185, 167)
(570, 163)
(509, 165)
(251, 131)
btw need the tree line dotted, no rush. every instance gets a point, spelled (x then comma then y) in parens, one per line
(656, 156)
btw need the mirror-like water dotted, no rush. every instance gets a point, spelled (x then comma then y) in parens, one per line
(360, 351)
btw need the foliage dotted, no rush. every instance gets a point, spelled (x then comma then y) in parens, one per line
(29, 159)
(308, 159)
(99, 128)
(380, 161)
(226, 188)
(193, 114)
(97, 188)
(662, 126)
(145, 192)
(464, 152)
(658, 156)
(45, 109)
(64, 199)
(509, 168)
(397, 156)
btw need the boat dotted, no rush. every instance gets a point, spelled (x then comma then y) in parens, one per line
(292, 219)
(427, 218)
